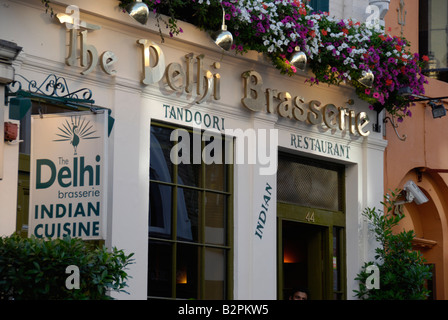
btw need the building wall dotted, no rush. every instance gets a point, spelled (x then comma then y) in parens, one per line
(134, 105)
(420, 158)
(8, 195)
(353, 9)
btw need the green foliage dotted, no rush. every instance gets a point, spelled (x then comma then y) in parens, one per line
(205, 17)
(46, 3)
(33, 268)
(402, 270)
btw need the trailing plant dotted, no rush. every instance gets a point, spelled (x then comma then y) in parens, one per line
(338, 51)
(48, 8)
(402, 270)
(35, 268)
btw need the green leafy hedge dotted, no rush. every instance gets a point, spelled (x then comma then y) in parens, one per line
(33, 268)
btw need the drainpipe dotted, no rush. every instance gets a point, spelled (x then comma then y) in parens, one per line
(8, 54)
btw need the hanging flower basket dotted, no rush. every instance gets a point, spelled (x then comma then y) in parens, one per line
(338, 51)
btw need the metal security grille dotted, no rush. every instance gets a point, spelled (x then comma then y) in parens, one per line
(310, 183)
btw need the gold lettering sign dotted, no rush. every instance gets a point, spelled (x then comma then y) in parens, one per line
(89, 54)
(296, 108)
(194, 79)
(207, 84)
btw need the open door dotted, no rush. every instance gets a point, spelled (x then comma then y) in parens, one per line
(304, 258)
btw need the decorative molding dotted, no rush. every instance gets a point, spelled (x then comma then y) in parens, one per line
(420, 243)
(52, 86)
(401, 15)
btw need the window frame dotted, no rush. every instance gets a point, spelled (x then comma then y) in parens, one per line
(424, 43)
(319, 5)
(201, 244)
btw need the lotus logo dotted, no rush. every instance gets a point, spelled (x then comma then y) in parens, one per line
(76, 130)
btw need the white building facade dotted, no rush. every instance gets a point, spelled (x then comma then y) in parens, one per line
(291, 185)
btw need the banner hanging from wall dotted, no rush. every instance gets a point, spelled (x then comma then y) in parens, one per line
(68, 191)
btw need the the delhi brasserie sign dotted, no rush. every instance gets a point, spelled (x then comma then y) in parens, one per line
(194, 79)
(68, 190)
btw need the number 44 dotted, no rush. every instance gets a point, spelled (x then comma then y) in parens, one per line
(310, 216)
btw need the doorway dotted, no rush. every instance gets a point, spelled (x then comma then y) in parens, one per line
(311, 228)
(303, 258)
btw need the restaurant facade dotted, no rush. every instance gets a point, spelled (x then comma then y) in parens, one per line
(225, 178)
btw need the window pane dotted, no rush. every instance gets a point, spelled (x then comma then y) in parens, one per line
(337, 291)
(159, 269)
(309, 184)
(438, 32)
(215, 177)
(213, 155)
(215, 224)
(160, 212)
(215, 274)
(161, 166)
(188, 208)
(187, 271)
(189, 170)
(216, 172)
(319, 5)
(433, 37)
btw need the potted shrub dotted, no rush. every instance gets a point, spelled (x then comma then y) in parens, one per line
(402, 270)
